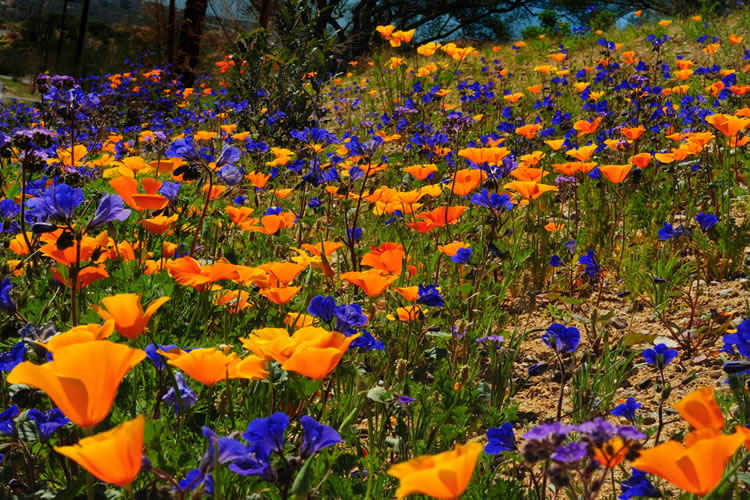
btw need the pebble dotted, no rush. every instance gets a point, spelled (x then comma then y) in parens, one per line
(727, 292)
(618, 322)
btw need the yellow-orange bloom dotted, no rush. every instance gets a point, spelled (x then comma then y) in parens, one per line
(700, 409)
(82, 379)
(696, 469)
(79, 334)
(126, 311)
(615, 173)
(113, 456)
(445, 475)
(729, 125)
(209, 366)
(372, 282)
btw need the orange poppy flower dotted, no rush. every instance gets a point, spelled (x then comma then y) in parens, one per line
(611, 453)
(441, 216)
(127, 188)
(696, 469)
(534, 89)
(113, 456)
(82, 379)
(529, 131)
(615, 173)
(555, 144)
(271, 224)
(699, 409)
(317, 351)
(328, 247)
(583, 153)
(79, 334)
(280, 295)
(159, 224)
(735, 39)
(284, 272)
(388, 257)
(258, 179)
(372, 282)
(86, 276)
(269, 344)
(552, 227)
(492, 156)
(408, 313)
(210, 366)
(410, 293)
(530, 190)
(528, 174)
(238, 215)
(633, 133)
(187, 271)
(421, 172)
(629, 57)
(451, 249)
(585, 127)
(641, 160)
(467, 180)
(126, 311)
(445, 475)
(18, 244)
(729, 125)
(68, 256)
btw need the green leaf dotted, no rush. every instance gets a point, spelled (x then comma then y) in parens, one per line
(303, 479)
(379, 395)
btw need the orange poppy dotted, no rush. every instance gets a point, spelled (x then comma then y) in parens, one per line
(451, 249)
(555, 144)
(467, 180)
(529, 131)
(729, 125)
(585, 127)
(280, 295)
(615, 173)
(79, 334)
(696, 469)
(187, 271)
(633, 133)
(611, 453)
(372, 282)
(328, 247)
(82, 379)
(317, 351)
(530, 190)
(113, 456)
(159, 224)
(210, 366)
(410, 293)
(583, 153)
(699, 409)
(421, 172)
(127, 188)
(284, 272)
(86, 276)
(445, 475)
(388, 257)
(492, 156)
(126, 311)
(258, 179)
(641, 160)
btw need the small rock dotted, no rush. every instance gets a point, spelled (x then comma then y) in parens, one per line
(618, 323)
(666, 341)
(736, 321)
(645, 384)
(699, 359)
(727, 292)
(649, 420)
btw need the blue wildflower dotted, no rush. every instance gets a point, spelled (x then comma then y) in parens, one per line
(500, 439)
(316, 436)
(638, 485)
(626, 409)
(9, 360)
(322, 307)
(429, 295)
(462, 256)
(47, 422)
(706, 221)
(562, 338)
(660, 355)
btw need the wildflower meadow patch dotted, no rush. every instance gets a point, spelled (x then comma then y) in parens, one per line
(513, 271)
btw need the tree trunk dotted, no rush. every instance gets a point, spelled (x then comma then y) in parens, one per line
(82, 36)
(171, 31)
(190, 39)
(62, 36)
(265, 14)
